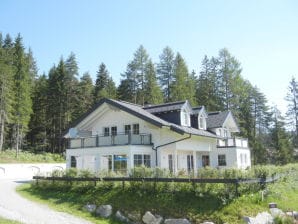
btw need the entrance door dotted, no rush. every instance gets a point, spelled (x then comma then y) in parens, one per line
(205, 160)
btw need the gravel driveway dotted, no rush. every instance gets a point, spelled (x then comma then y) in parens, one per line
(13, 206)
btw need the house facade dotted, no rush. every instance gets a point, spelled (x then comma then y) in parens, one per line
(117, 136)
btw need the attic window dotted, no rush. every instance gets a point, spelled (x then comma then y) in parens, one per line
(202, 123)
(184, 118)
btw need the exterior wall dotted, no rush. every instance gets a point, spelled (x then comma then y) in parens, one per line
(231, 157)
(91, 158)
(119, 118)
(243, 158)
(28, 170)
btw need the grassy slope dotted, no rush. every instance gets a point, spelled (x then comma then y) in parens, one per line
(61, 201)
(195, 207)
(9, 156)
(6, 221)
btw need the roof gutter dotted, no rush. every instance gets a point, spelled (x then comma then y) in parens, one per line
(169, 143)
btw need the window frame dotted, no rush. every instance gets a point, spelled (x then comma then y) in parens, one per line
(222, 160)
(142, 160)
(127, 130)
(113, 130)
(106, 131)
(136, 129)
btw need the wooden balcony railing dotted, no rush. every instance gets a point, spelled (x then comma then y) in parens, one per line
(232, 142)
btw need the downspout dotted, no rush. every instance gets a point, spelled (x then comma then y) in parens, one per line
(159, 146)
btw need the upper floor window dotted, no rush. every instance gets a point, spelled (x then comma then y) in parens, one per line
(106, 131)
(136, 129)
(202, 123)
(185, 119)
(114, 130)
(127, 129)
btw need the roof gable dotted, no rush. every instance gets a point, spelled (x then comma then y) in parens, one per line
(137, 111)
(222, 119)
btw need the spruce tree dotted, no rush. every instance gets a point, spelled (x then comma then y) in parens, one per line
(292, 112)
(135, 73)
(165, 71)
(6, 87)
(22, 90)
(152, 92)
(179, 88)
(84, 94)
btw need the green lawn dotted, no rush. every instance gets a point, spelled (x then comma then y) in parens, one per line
(6, 221)
(9, 156)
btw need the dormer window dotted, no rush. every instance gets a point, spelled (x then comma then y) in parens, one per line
(185, 118)
(202, 123)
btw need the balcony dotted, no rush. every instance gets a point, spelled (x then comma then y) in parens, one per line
(111, 140)
(232, 142)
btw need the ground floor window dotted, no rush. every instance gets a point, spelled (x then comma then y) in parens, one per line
(222, 160)
(73, 162)
(205, 160)
(120, 163)
(140, 160)
(190, 165)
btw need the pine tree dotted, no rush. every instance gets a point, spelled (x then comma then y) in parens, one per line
(152, 92)
(165, 70)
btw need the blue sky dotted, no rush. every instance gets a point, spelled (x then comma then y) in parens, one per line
(262, 35)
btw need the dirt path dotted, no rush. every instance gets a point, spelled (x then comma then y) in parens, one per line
(15, 207)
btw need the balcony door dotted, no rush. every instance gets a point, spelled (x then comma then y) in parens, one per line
(205, 160)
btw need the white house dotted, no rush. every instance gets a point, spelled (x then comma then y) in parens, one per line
(117, 136)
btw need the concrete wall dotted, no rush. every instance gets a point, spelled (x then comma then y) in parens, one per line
(27, 170)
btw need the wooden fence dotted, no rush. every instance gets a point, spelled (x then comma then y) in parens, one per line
(235, 181)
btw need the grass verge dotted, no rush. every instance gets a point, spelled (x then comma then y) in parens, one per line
(7, 221)
(59, 201)
(9, 156)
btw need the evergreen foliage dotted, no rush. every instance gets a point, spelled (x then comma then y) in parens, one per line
(36, 110)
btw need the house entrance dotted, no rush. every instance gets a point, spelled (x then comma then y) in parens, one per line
(205, 160)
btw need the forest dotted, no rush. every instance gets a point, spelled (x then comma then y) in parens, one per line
(35, 109)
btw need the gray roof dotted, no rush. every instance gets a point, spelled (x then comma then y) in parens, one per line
(164, 107)
(216, 119)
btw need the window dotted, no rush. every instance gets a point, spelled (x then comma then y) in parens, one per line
(120, 163)
(170, 159)
(127, 129)
(114, 130)
(73, 162)
(222, 160)
(147, 161)
(205, 160)
(136, 129)
(140, 160)
(202, 123)
(245, 158)
(189, 163)
(137, 160)
(106, 131)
